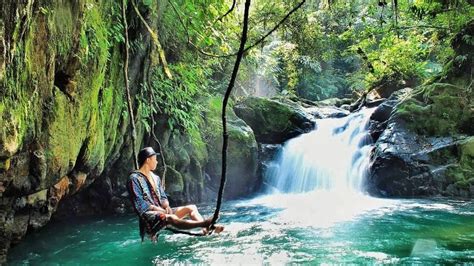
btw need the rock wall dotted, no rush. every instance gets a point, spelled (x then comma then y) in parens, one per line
(61, 109)
(242, 157)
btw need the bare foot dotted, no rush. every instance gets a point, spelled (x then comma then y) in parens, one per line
(215, 229)
(209, 228)
(218, 228)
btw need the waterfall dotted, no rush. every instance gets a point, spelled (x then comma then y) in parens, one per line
(334, 157)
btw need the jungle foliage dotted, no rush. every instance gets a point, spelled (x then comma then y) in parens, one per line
(325, 49)
(335, 49)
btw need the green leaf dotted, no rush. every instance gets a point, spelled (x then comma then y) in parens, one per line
(147, 3)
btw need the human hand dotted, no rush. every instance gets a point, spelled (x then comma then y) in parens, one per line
(165, 204)
(157, 209)
(169, 210)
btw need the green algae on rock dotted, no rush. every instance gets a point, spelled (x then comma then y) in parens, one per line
(273, 121)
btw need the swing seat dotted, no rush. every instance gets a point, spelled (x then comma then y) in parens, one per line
(151, 223)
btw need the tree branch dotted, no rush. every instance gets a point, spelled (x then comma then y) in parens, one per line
(246, 49)
(227, 13)
(423, 26)
(276, 26)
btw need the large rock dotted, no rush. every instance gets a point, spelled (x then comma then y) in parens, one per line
(185, 156)
(327, 112)
(267, 155)
(337, 102)
(405, 164)
(241, 154)
(272, 121)
(424, 144)
(380, 116)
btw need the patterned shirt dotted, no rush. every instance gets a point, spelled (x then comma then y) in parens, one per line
(142, 192)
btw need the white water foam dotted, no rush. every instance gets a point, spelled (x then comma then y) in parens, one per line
(333, 157)
(318, 177)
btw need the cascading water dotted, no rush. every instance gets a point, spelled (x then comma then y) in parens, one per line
(334, 157)
(318, 177)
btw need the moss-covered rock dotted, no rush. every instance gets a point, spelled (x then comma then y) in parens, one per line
(5, 164)
(241, 153)
(338, 102)
(184, 176)
(273, 121)
(463, 172)
(174, 182)
(439, 109)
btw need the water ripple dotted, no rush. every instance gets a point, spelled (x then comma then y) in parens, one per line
(273, 230)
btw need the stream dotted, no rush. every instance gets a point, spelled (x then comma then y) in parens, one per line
(313, 210)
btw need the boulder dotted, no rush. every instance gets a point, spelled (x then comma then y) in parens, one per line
(273, 122)
(393, 170)
(241, 154)
(404, 164)
(426, 136)
(338, 102)
(380, 116)
(421, 148)
(267, 155)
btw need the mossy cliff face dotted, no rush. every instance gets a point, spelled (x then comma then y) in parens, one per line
(426, 146)
(185, 157)
(62, 114)
(193, 166)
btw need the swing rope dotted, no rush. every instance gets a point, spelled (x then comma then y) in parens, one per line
(225, 135)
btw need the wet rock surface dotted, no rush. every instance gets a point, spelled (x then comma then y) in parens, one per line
(406, 165)
(272, 121)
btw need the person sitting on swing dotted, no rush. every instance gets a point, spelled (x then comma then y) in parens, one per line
(151, 203)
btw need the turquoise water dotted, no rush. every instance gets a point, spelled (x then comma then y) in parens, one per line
(273, 229)
(324, 217)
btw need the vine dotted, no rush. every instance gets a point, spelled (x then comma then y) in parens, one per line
(127, 89)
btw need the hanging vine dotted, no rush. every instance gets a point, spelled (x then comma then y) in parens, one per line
(156, 41)
(225, 135)
(127, 88)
